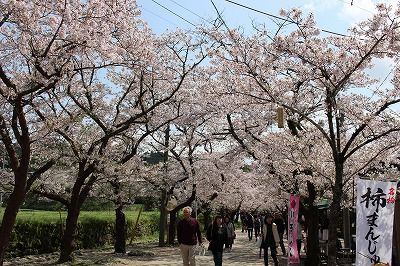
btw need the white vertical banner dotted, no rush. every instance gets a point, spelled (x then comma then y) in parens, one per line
(375, 214)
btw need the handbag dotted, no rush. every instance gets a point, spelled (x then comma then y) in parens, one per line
(259, 242)
(201, 250)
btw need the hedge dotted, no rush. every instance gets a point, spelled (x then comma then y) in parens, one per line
(38, 236)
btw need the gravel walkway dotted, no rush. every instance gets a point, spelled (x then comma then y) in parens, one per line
(244, 252)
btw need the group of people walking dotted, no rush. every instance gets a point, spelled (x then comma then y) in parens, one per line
(221, 235)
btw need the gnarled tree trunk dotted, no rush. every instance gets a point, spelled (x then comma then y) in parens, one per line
(15, 201)
(334, 213)
(163, 218)
(172, 227)
(312, 219)
(120, 230)
(68, 239)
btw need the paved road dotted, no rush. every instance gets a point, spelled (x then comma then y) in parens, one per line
(244, 252)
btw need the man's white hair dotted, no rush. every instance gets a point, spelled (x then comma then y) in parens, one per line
(188, 208)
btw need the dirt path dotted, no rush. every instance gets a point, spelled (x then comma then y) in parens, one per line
(244, 252)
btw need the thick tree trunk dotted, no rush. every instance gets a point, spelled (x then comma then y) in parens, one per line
(313, 251)
(163, 219)
(10, 214)
(172, 227)
(68, 239)
(207, 219)
(120, 231)
(396, 233)
(334, 213)
(312, 219)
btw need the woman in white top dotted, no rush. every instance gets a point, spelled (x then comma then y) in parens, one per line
(270, 239)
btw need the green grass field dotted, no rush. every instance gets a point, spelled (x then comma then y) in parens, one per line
(51, 216)
(28, 215)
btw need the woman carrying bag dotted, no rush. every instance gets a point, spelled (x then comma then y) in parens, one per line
(270, 239)
(217, 236)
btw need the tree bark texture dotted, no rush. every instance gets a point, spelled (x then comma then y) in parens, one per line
(163, 219)
(396, 232)
(334, 213)
(312, 219)
(10, 214)
(172, 227)
(68, 240)
(120, 231)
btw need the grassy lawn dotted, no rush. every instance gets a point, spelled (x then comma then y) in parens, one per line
(54, 216)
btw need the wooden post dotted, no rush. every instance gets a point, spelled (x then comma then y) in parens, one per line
(280, 116)
(135, 226)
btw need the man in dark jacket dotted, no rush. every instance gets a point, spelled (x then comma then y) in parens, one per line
(250, 226)
(188, 231)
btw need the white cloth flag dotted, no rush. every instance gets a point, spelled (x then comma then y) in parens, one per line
(375, 211)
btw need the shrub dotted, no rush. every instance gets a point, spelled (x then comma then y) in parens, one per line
(38, 232)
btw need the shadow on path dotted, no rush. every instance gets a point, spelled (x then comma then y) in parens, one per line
(244, 252)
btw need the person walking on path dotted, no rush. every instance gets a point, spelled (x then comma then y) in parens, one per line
(217, 235)
(257, 226)
(270, 239)
(230, 228)
(243, 219)
(280, 224)
(250, 226)
(188, 231)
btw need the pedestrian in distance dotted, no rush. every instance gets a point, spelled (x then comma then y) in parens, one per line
(257, 226)
(230, 228)
(270, 239)
(188, 231)
(217, 235)
(299, 234)
(280, 224)
(243, 219)
(250, 226)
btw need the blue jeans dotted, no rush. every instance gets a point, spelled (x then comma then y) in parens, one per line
(217, 258)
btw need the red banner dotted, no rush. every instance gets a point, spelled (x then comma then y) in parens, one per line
(294, 256)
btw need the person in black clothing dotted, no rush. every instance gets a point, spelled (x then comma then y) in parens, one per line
(243, 218)
(270, 239)
(250, 226)
(280, 224)
(217, 235)
(257, 226)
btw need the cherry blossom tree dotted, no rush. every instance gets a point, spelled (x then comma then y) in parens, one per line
(43, 43)
(109, 118)
(321, 83)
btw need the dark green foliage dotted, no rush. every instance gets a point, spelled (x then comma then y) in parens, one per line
(34, 237)
(145, 227)
(94, 233)
(34, 201)
(149, 203)
(38, 232)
